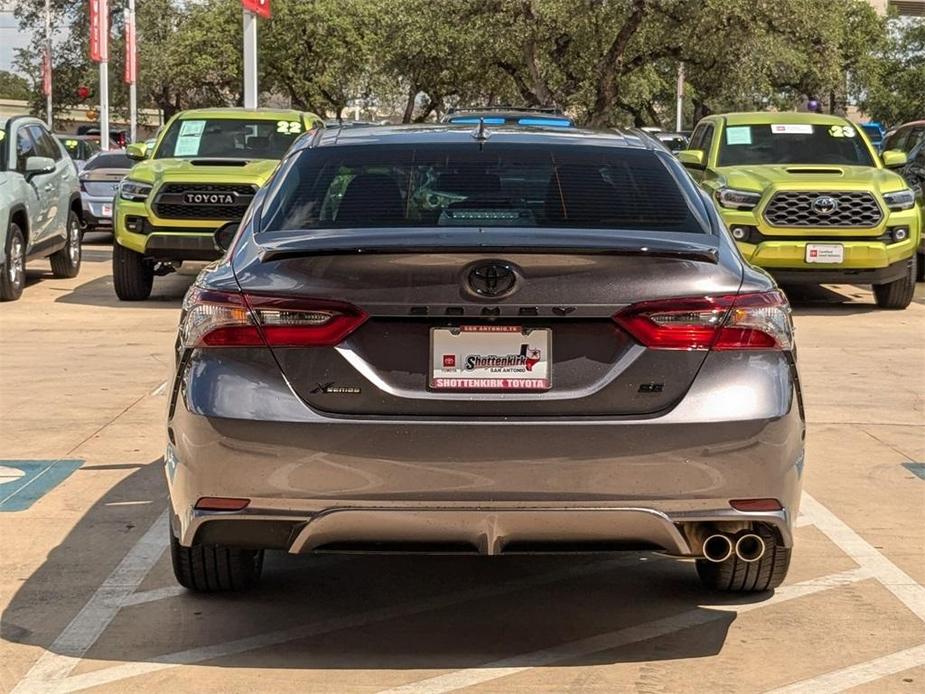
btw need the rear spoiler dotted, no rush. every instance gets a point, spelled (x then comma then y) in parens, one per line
(278, 245)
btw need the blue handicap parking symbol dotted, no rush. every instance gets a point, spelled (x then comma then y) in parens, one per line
(23, 482)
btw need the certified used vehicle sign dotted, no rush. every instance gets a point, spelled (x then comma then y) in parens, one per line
(490, 357)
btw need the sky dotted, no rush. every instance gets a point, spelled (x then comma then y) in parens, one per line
(10, 36)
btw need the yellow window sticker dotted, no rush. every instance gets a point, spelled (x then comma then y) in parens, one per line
(70, 144)
(740, 135)
(188, 140)
(289, 127)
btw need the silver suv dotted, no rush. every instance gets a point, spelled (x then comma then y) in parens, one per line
(39, 204)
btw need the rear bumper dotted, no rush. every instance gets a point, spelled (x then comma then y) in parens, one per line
(93, 211)
(317, 483)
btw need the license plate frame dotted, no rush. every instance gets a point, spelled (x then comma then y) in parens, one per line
(825, 253)
(507, 358)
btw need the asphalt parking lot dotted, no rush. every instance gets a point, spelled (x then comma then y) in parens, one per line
(89, 602)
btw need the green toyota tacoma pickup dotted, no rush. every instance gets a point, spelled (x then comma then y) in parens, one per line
(202, 173)
(808, 199)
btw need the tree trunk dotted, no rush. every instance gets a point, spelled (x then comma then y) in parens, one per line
(409, 104)
(610, 67)
(432, 104)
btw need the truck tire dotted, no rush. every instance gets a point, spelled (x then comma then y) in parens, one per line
(898, 293)
(920, 267)
(215, 568)
(132, 275)
(66, 262)
(13, 271)
(737, 576)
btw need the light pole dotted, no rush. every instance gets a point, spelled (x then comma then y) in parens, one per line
(250, 59)
(252, 10)
(679, 104)
(131, 69)
(46, 77)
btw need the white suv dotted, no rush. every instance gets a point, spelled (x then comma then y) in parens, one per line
(39, 204)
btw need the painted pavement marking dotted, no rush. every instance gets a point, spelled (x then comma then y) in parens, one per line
(506, 667)
(23, 482)
(61, 683)
(856, 675)
(917, 469)
(51, 672)
(67, 650)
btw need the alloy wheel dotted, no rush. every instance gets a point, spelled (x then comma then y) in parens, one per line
(16, 264)
(73, 241)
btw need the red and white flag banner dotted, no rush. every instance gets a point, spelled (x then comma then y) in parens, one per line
(99, 30)
(131, 54)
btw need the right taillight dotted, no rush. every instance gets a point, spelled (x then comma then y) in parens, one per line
(757, 321)
(229, 319)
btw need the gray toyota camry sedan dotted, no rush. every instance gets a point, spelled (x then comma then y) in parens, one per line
(489, 341)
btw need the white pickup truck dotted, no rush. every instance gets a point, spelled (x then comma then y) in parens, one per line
(39, 204)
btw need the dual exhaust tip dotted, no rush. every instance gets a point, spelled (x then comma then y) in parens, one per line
(747, 546)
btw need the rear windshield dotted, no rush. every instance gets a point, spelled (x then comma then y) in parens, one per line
(495, 185)
(109, 161)
(79, 149)
(792, 143)
(228, 138)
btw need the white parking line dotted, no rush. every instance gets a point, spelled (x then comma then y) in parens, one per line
(615, 639)
(65, 653)
(855, 675)
(51, 672)
(894, 579)
(220, 650)
(157, 391)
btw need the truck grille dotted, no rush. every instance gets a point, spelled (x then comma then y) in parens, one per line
(796, 209)
(215, 201)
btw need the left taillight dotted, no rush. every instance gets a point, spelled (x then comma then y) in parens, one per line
(753, 321)
(229, 319)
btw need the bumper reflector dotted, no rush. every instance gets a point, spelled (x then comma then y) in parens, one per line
(756, 505)
(221, 503)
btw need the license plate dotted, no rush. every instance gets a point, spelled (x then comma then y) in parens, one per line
(107, 210)
(490, 357)
(825, 253)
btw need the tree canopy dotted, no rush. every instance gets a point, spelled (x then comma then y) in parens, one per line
(607, 62)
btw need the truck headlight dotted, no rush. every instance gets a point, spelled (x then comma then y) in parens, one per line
(136, 191)
(737, 199)
(900, 200)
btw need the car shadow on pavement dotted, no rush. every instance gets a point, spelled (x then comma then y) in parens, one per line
(168, 292)
(366, 612)
(819, 300)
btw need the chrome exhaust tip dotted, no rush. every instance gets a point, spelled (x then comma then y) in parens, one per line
(717, 548)
(750, 547)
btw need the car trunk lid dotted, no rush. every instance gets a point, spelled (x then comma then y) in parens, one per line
(420, 291)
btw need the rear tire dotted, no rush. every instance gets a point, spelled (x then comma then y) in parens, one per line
(215, 568)
(66, 262)
(898, 294)
(920, 267)
(13, 271)
(132, 275)
(737, 576)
